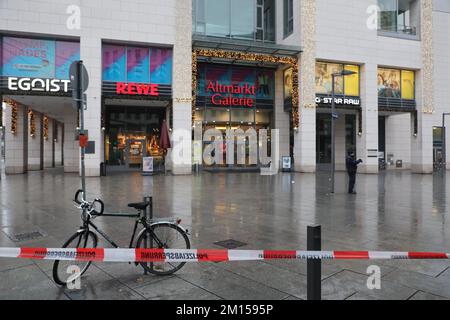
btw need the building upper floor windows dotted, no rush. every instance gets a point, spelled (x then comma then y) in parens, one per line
(252, 20)
(288, 23)
(399, 16)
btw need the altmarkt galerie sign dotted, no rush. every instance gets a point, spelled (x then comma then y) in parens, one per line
(231, 95)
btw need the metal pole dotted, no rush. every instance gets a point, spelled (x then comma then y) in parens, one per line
(314, 266)
(81, 109)
(444, 146)
(333, 137)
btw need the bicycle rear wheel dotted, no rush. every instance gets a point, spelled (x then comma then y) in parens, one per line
(172, 237)
(61, 270)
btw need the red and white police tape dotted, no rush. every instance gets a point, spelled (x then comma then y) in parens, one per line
(206, 255)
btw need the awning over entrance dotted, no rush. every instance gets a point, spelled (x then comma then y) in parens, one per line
(267, 48)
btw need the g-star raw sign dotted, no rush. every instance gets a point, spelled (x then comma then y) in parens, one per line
(140, 89)
(229, 100)
(37, 84)
(339, 101)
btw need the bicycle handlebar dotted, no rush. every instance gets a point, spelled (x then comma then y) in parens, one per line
(90, 206)
(77, 194)
(102, 207)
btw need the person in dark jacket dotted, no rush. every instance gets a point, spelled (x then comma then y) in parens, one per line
(352, 168)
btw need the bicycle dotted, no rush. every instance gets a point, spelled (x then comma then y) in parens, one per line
(150, 237)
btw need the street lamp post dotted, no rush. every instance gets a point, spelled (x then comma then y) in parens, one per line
(334, 116)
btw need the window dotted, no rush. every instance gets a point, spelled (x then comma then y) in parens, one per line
(238, 19)
(288, 17)
(136, 64)
(348, 85)
(398, 16)
(397, 84)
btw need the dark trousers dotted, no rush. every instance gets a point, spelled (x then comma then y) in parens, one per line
(351, 181)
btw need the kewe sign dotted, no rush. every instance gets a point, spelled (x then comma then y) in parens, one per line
(139, 89)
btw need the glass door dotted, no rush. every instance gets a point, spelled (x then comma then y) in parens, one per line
(134, 152)
(323, 138)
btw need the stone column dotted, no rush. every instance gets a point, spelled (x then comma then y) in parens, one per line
(58, 143)
(281, 117)
(91, 51)
(48, 144)
(422, 145)
(34, 141)
(71, 145)
(305, 138)
(182, 90)
(16, 143)
(367, 139)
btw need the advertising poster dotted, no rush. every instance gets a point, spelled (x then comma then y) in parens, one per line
(114, 63)
(161, 66)
(66, 53)
(147, 164)
(324, 73)
(33, 58)
(389, 83)
(288, 83)
(138, 65)
(264, 84)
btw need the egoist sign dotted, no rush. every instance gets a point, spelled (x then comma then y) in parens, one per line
(38, 84)
(223, 94)
(140, 89)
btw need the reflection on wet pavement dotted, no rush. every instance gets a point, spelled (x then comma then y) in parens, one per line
(392, 211)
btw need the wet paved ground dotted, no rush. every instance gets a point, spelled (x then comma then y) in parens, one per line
(392, 211)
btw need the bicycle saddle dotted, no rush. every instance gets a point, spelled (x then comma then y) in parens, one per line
(139, 205)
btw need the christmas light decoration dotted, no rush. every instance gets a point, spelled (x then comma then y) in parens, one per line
(253, 57)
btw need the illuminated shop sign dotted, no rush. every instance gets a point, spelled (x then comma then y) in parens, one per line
(38, 84)
(137, 89)
(231, 95)
(354, 101)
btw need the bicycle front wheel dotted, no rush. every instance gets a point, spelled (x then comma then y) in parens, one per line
(62, 269)
(169, 236)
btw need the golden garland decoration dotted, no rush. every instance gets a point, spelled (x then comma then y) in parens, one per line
(45, 127)
(13, 117)
(243, 56)
(32, 123)
(13, 104)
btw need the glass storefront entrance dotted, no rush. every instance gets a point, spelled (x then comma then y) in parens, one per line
(237, 98)
(323, 136)
(131, 134)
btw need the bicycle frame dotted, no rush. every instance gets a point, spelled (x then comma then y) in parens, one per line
(139, 220)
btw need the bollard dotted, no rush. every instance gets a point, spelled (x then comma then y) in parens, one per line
(148, 216)
(314, 266)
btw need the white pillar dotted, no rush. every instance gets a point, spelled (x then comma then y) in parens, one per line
(58, 143)
(15, 146)
(48, 145)
(422, 145)
(91, 51)
(305, 138)
(182, 91)
(71, 145)
(34, 143)
(367, 140)
(281, 117)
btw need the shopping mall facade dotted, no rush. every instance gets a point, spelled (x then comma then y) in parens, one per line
(224, 64)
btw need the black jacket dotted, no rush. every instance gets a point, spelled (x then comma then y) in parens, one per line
(352, 164)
